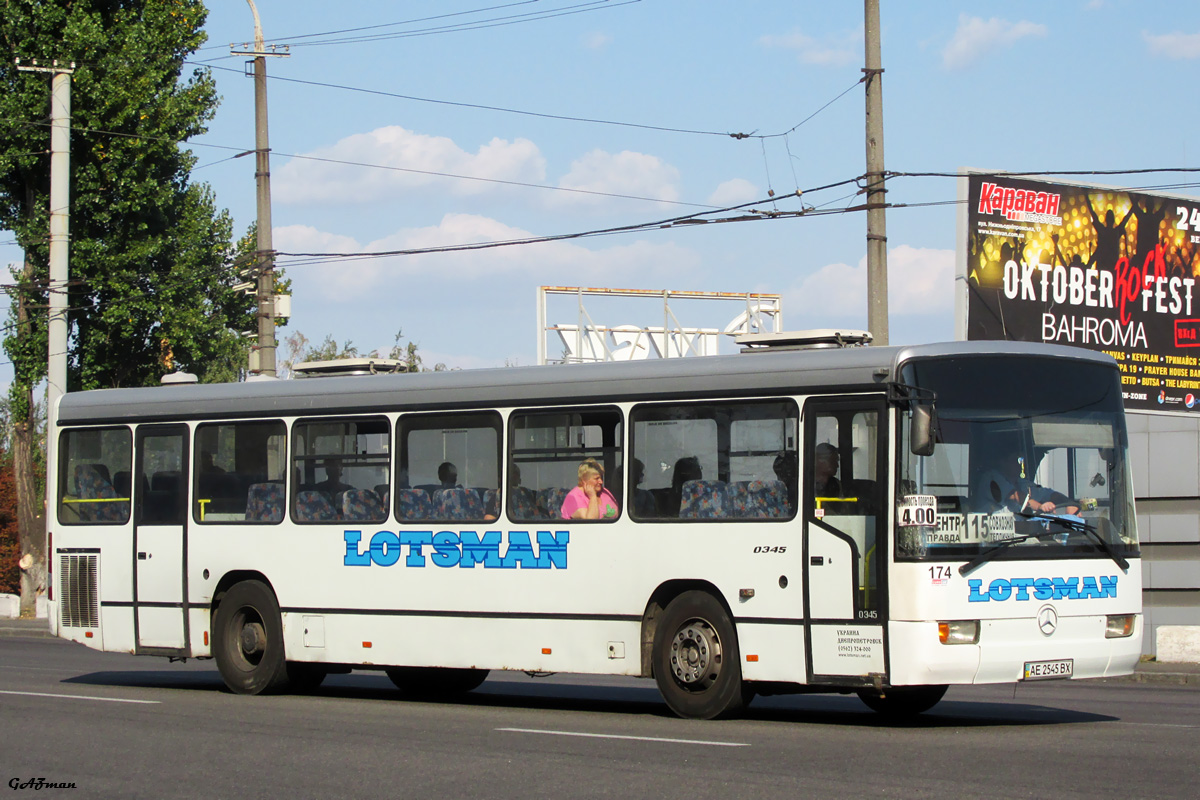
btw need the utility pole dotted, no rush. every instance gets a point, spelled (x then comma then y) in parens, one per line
(265, 348)
(877, 284)
(30, 523)
(60, 224)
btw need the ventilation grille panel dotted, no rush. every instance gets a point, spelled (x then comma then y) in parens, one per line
(78, 594)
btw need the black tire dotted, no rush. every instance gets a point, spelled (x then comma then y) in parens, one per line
(696, 660)
(248, 640)
(303, 677)
(435, 681)
(900, 702)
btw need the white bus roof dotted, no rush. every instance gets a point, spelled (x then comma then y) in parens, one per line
(855, 369)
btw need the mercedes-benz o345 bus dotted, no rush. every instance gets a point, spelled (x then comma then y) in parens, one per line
(885, 521)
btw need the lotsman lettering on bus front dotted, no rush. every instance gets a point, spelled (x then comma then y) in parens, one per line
(1002, 589)
(458, 549)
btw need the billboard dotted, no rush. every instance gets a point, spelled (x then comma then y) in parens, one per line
(1103, 269)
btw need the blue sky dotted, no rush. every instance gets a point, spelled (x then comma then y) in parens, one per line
(1070, 85)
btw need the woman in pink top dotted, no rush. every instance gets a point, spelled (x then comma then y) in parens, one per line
(590, 500)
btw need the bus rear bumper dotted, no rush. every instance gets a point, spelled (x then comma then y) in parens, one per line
(1004, 649)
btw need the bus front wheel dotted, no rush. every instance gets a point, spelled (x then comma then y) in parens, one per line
(903, 701)
(248, 640)
(696, 661)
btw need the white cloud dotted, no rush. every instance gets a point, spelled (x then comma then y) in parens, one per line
(734, 192)
(1173, 45)
(448, 273)
(920, 281)
(596, 40)
(976, 38)
(833, 50)
(626, 173)
(412, 155)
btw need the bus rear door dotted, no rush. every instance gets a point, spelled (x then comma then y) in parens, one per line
(160, 539)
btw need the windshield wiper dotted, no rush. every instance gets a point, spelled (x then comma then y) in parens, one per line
(1071, 523)
(988, 555)
(1078, 525)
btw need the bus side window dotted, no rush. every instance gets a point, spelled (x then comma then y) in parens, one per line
(341, 470)
(239, 472)
(546, 449)
(88, 461)
(714, 461)
(448, 467)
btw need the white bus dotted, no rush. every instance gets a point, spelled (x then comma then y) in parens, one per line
(885, 521)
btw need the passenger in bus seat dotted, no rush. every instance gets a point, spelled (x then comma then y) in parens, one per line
(332, 486)
(825, 469)
(590, 500)
(686, 469)
(208, 465)
(448, 475)
(643, 500)
(787, 469)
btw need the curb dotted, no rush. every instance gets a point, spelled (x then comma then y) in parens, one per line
(1158, 678)
(33, 629)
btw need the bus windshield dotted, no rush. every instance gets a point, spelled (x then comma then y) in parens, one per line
(1029, 452)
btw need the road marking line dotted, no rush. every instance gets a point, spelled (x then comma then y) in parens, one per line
(632, 738)
(82, 697)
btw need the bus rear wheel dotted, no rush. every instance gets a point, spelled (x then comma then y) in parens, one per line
(248, 640)
(903, 701)
(696, 661)
(436, 680)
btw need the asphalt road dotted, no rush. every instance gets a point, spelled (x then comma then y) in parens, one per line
(123, 726)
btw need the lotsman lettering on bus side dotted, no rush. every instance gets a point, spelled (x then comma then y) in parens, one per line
(1002, 589)
(458, 549)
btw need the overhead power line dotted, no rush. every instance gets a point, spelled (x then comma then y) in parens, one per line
(547, 115)
(690, 219)
(389, 167)
(387, 24)
(495, 22)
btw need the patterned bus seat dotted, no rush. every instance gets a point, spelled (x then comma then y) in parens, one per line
(385, 492)
(362, 505)
(758, 499)
(313, 506)
(704, 500)
(491, 502)
(413, 504)
(457, 504)
(523, 504)
(264, 502)
(550, 502)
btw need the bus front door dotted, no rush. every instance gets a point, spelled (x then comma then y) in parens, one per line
(844, 485)
(160, 540)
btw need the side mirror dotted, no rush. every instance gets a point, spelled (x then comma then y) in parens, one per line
(922, 429)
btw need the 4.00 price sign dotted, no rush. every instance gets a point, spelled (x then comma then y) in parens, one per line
(917, 510)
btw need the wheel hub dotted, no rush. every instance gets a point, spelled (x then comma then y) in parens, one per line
(695, 652)
(253, 638)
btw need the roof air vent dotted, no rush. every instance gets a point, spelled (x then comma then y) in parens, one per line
(816, 339)
(348, 366)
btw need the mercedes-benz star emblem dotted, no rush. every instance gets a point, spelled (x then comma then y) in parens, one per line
(1047, 620)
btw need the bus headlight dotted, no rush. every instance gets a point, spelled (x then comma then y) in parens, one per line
(961, 631)
(1119, 626)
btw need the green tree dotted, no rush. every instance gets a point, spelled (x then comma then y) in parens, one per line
(151, 264)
